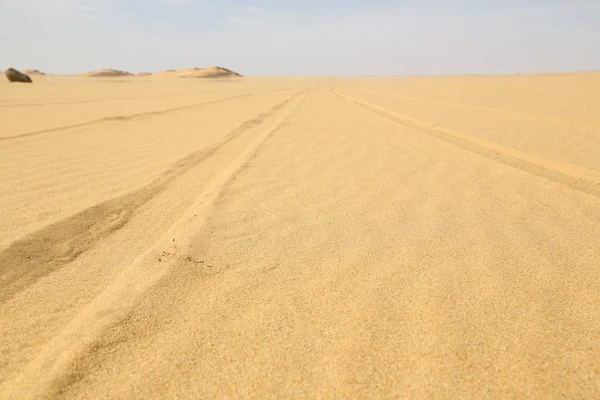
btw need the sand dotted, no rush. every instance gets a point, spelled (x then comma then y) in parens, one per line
(33, 72)
(300, 238)
(108, 73)
(209, 72)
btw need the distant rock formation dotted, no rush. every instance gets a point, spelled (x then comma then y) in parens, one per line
(15, 76)
(169, 72)
(143, 74)
(33, 72)
(108, 73)
(210, 72)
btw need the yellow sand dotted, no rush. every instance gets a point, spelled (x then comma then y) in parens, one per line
(210, 72)
(33, 72)
(300, 238)
(108, 73)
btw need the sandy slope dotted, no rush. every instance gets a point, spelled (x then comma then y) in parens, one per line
(209, 72)
(407, 238)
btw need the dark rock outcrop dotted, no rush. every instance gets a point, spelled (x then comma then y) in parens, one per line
(15, 76)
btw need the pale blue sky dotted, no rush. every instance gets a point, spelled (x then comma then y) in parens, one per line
(307, 37)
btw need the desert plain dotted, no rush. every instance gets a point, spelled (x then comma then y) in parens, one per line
(426, 237)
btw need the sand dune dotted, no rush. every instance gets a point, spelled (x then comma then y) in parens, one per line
(300, 238)
(169, 72)
(210, 72)
(108, 73)
(33, 72)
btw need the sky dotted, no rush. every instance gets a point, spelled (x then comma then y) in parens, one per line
(303, 38)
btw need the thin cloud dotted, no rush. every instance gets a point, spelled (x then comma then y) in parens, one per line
(248, 16)
(325, 37)
(245, 21)
(255, 10)
(76, 10)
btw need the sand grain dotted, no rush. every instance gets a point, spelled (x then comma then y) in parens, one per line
(300, 238)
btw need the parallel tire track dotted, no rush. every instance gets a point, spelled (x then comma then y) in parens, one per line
(103, 100)
(507, 113)
(134, 116)
(41, 252)
(67, 102)
(577, 177)
(49, 373)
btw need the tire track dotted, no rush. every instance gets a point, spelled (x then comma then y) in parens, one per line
(513, 114)
(577, 177)
(41, 252)
(49, 374)
(133, 116)
(109, 99)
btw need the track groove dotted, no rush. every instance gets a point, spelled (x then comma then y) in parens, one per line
(508, 113)
(109, 99)
(43, 251)
(577, 177)
(118, 118)
(45, 374)
(106, 99)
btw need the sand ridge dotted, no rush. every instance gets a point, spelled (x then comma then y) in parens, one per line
(312, 238)
(209, 72)
(33, 72)
(108, 73)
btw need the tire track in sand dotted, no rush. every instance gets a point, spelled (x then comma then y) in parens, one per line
(60, 101)
(507, 113)
(575, 176)
(118, 118)
(45, 375)
(43, 251)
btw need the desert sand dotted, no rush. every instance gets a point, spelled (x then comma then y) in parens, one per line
(209, 72)
(300, 238)
(33, 72)
(108, 73)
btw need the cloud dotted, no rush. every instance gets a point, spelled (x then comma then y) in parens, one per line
(314, 37)
(248, 16)
(51, 10)
(245, 21)
(256, 10)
